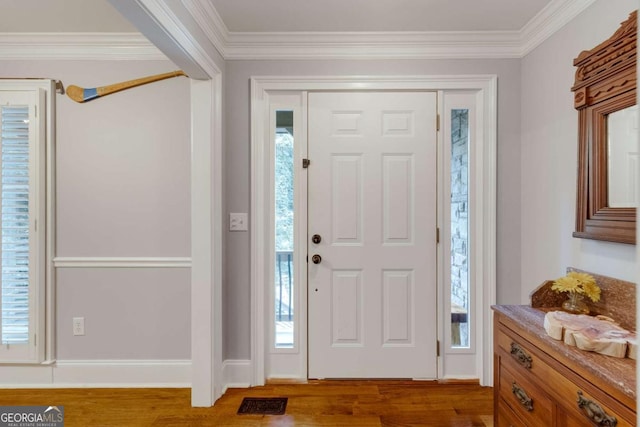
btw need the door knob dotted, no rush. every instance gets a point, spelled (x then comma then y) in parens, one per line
(316, 239)
(316, 259)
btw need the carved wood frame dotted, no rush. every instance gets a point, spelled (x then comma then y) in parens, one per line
(605, 82)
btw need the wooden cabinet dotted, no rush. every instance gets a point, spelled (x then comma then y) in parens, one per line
(542, 382)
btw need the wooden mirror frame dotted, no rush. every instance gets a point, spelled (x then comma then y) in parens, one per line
(605, 83)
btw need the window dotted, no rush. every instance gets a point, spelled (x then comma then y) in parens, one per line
(285, 319)
(460, 250)
(23, 138)
(459, 199)
(284, 239)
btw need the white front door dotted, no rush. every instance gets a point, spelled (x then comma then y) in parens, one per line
(372, 200)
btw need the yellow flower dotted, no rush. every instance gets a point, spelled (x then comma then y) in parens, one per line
(566, 284)
(592, 291)
(582, 277)
(580, 283)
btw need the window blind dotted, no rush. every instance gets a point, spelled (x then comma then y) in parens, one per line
(14, 211)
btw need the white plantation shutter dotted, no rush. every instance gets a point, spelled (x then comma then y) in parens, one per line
(21, 207)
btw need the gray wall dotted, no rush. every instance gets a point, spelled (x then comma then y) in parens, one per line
(123, 190)
(237, 159)
(549, 155)
(123, 187)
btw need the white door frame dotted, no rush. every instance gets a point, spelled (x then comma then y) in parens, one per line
(485, 179)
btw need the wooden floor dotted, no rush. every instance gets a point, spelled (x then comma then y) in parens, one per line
(317, 403)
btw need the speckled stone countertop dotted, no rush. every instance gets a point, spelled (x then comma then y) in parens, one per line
(620, 373)
(618, 299)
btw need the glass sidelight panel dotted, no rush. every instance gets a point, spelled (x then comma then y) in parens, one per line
(460, 291)
(284, 235)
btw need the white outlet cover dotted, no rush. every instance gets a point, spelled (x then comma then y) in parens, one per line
(78, 326)
(238, 222)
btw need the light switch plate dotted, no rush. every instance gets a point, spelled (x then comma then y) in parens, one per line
(238, 222)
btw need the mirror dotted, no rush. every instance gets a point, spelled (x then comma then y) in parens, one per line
(605, 97)
(622, 155)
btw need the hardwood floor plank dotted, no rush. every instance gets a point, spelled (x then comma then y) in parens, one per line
(316, 403)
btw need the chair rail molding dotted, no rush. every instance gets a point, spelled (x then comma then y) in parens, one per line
(122, 262)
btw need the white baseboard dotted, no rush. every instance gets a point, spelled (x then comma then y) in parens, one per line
(118, 373)
(236, 374)
(99, 374)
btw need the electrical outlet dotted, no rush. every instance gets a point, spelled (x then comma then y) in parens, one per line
(238, 222)
(78, 326)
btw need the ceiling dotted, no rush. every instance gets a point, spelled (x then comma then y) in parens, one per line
(376, 15)
(280, 29)
(61, 16)
(67, 16)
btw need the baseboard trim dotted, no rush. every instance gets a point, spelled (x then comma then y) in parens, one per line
(236, 373)
(99, 374)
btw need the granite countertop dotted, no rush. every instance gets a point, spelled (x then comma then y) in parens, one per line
(621, 373)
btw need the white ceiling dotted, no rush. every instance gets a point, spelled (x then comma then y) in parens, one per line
(287, 15)
(61, 16)
(376, 15)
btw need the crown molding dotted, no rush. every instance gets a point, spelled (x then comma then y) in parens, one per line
(381, 45)
(296, 45)
(372, 45)
(209, 20)
(552, 18)
(72, 46)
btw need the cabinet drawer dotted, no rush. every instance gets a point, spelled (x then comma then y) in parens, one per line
(506, 417)
(579, 405)
(522, 358)
(569, 420)
(531, 405)
(519, 352)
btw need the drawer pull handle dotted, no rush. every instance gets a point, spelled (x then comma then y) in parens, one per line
(520, 355)
(595, 413)
(524, 399)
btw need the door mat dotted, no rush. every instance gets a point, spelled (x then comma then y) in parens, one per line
(263, 405)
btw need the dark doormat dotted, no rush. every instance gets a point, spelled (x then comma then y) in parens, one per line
(263, 405)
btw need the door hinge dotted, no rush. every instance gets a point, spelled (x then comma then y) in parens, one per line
(305, 163)
(437, 234)
(437, 122)
(438, 348)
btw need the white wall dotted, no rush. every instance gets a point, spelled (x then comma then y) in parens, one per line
(123, 190)
(549, 155)
(237, 159)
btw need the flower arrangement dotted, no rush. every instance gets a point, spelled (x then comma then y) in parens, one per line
(578, 283)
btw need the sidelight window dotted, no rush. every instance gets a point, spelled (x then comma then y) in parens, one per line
(459, 253)
(284, 230)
